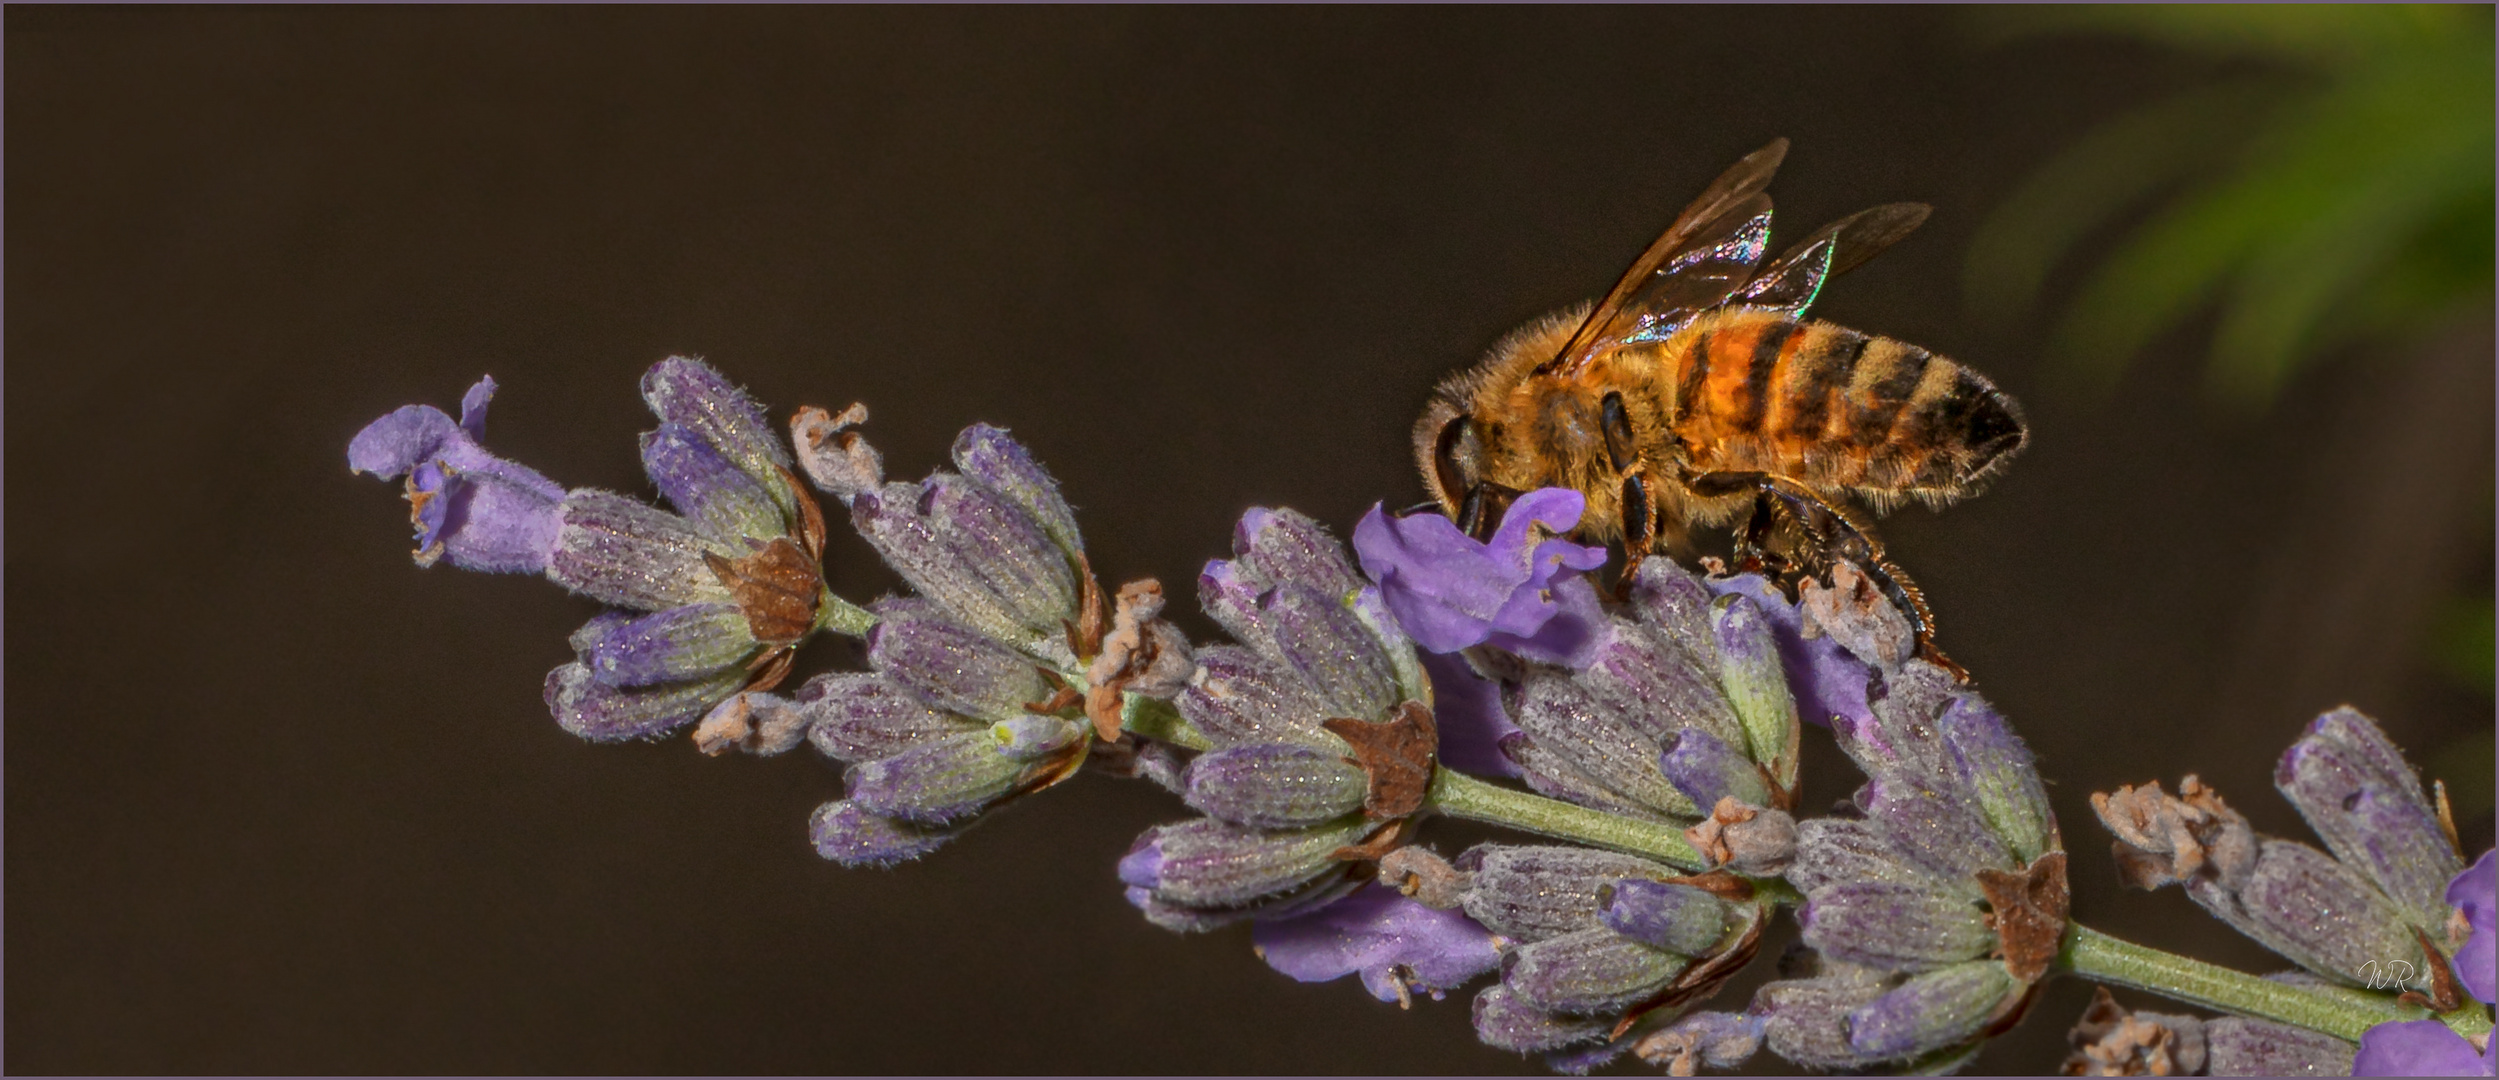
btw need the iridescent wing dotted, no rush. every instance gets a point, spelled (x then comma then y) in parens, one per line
(1701, 259)
(1790, 282)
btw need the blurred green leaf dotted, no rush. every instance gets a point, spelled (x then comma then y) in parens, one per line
(2462, 644)
(2346, 196)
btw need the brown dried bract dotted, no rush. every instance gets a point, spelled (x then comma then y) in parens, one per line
(778, 587)
(1425, 876)
(2030, 907)
(1854, 611)
(1093, 617)
(1141, 654)
(2446, 995)
(1397, 754)
(2109, 1041)
(2163, 839)
(1374, 847)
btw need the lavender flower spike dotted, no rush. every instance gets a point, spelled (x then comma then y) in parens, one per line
(1450, 591)
(481, 511)
(2430, 1047)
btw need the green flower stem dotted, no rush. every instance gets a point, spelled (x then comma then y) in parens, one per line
(841, 616)
(1147, 718)
(1462, 796)
(2341, 1013)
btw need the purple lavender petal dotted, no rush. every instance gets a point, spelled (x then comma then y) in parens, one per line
(602, 713)
(707, 487)
(1570, 624)
(482, 512)
(1827, 681)
(1466, 707)
(473, 407)
(1450, 592)
(854, 837)
(2472, 892)
(2416, 1048)
(679, 643)
(1385, 937)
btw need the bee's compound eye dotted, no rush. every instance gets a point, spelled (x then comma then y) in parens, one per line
(1453, 459)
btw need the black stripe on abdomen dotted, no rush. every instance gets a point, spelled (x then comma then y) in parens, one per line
(1871, 415)
(1768, 343)
(1819, 372)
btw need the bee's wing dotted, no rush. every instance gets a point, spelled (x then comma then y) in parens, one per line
(1790, 282)
(1703, 257)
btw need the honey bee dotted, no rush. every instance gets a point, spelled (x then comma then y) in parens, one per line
(1697, 389)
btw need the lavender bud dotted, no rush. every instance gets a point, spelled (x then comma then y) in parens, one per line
(1232, 599)
(668, 646)
(1327, 644)
(1277, 546)
(1017, 562)
(2235, 1046)
(1033, 738)
(1552, 775)
(860, 716)
(1534, 893)
(1676, 602)
(1674, 917)
(1937, 827)
(1182, 919)
(2367, 805)
(1590, 971)
(1656, 687)
(951, 666)
(2315, 911)
(1206, 863)
(1838, 851)
(1806, 1020)
(618, 551)
(1931, 1011)
(1756, 680)
(834, 457)
(689, 393)
(1893, 927)
(1706, 770)
(1237, 698)
(1998, 771)
(602, 713)
(1273, 785)
(936, 782)
(854, 837)
(1900, 736)
(707, 487)
(894, 521)
(997, 462)
(1565, 718)
(1503, 1022)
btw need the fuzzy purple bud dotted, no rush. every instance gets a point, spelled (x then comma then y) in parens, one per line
(951, 666)
(1565, 718)
(1275, 546)
(1016, 561)
(1552, 775)
(1504, 1022)
(1893, 927)
(1931, 1011)
(602, 713)
(1675, 917)
(668, 646)
(1838, 851)
(860, 716)
(1589, 971)
(854, 837)
(1341, 659)
(937, 782)
(1206, 863)
(1706, 770)
(1806, 1020)
(1997, 771)
(691, 394)
(618, 551)
(2236, 1046)
(2367, 805)
(708, 488)
(1750, 667)
(988, 456)
(1273, 785)
(1533, 893)
(1236, 697)
(2317, 912)
(1935, 826)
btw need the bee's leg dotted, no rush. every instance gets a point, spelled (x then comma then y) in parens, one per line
(1481, 512)
(1833, 533)
(1639, 512)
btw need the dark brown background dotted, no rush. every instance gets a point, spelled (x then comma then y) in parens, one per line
(278, 801)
